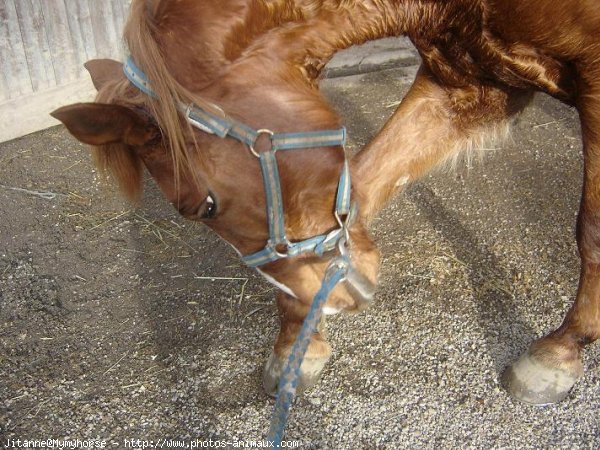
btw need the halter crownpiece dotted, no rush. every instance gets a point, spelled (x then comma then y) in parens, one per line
(278, 246)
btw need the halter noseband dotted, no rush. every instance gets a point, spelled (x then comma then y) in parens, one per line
(278, 246)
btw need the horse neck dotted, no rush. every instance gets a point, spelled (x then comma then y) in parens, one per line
(305, 33)
(335, 25)
(291, 54)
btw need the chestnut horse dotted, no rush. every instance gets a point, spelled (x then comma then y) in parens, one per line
(258, 61)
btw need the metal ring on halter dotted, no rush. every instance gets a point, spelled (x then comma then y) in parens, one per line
(258, 133)
(342, 246)
(277, 252)
(342, 225)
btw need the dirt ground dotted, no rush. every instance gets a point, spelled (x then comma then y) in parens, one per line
(122, 321)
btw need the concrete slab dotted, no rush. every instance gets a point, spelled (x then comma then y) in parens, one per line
(372, 56)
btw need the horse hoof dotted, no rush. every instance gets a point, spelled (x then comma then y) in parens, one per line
(310, 372)
(271, 374)
(531, 381)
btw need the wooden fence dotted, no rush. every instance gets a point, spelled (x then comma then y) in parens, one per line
(43, 45)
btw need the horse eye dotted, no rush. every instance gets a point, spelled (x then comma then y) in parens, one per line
(208, 209)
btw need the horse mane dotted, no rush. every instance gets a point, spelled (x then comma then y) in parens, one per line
(141, 36)
(262, 16)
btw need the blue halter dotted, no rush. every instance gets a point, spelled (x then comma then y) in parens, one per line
(278, 246)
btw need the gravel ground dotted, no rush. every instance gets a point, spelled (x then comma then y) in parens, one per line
(111, 326)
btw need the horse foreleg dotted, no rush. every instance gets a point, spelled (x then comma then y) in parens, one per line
(548, 370)
(291, 314)
(433, 124)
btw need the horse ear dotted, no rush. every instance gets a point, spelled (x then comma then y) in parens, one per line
(99, 124)
(103, 70)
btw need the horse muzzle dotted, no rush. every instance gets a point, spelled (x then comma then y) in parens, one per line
(354, 294)
(360, 288)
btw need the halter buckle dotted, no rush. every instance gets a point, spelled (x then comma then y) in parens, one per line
(258, 133)
(195, 123)
(280, 254)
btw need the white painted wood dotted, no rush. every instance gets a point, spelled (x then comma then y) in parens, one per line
(31, 113)
(78, 24)
(35, 43)
(60, 41)
(81, 11)
(105, 33)
(43, 45)
(118, 16)
(12, 52)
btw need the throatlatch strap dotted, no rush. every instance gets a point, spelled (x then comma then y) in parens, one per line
(308, 139)
(343, 198)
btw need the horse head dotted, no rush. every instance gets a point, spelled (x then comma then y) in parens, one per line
(214, 179)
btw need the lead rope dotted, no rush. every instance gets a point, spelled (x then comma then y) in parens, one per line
(288, 382)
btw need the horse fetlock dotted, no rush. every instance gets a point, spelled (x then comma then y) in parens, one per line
(310, 372)
(541, 378)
